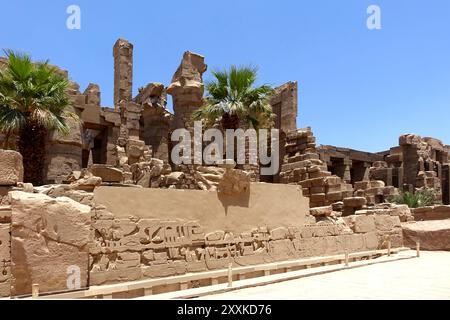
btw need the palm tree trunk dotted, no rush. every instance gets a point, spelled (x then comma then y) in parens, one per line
(230, 121)
(6, 141)
(32, 147)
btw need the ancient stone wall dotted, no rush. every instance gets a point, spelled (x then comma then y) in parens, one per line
(417, 163)
(201, 232)
(349, 164)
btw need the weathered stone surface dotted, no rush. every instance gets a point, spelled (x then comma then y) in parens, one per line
(11, 167)
(64, 190)
(321, 211)
(4, 242)
(4, 198)
(402, 211)
(431, 213)
(361, 223)
(106, 172)
(432, 235)
(47, 237)
(234, 181)
(386, 223)
(354, 202)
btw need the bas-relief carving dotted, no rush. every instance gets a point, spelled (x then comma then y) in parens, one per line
(131, 249)
(5, 260)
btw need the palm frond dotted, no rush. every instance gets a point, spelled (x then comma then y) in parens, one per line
(11, 119)
(232, 92)
(32, 90)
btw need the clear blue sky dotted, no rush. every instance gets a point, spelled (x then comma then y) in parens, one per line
(358, 88)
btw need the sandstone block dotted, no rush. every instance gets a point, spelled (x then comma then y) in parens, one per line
(355, 202)
(386, 222)
(106, 172)
(361, 223)
(433, 235)
(321, 211)
(49, 238)
(11, 167)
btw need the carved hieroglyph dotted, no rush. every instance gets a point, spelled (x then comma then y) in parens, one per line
(132, 249)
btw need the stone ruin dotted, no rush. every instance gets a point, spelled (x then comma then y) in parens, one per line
(329, 199)
(130, 143)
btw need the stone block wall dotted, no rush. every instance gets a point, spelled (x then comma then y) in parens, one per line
(302, 165)
(145, 246)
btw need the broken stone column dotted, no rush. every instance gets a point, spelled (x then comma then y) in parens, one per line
(123, 71)
(187, 89)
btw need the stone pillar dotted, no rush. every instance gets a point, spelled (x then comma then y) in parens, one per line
(123, 71)
(389, 181)
(343, 170)
(187, 89)
(284, 102)
(408, 144)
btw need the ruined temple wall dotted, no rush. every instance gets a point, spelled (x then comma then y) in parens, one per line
(284, 102)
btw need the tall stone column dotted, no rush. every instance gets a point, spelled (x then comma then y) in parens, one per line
(123, 71)
(130, 148)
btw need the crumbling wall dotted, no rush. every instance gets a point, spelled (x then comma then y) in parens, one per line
(156, 120)
(284, 102)
(302, 165)
(417, 163)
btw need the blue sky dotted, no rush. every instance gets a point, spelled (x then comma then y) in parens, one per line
(358, 88)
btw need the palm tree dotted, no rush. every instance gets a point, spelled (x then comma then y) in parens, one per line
(33, 100)
(232, 99)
